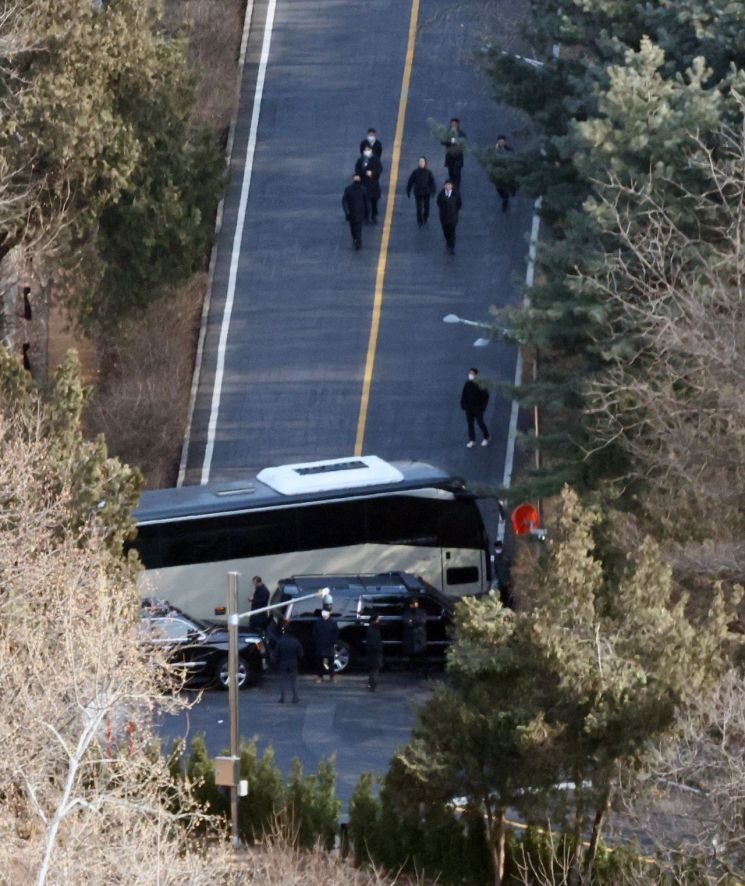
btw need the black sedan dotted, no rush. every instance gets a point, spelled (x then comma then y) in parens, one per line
(199, 649)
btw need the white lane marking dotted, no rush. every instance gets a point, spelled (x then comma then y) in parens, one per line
(235, 256)
(509, 458)
(247, 19)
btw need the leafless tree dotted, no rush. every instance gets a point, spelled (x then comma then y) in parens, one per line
(674, 401)
(85, 796)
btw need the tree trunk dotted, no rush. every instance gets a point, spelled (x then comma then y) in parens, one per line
(496, 831)
(579, 817)
(597, 827)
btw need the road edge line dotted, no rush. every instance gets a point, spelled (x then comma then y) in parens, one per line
(509, 456)
(247, 18)
(372, 343)
(237, 238)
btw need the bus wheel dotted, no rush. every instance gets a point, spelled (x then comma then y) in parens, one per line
(342, 656)
(221, 672)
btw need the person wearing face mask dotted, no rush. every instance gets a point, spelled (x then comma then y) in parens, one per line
(449, 204)
(373, 143)
(369, 169)
(422, 182)
(473, 401)
(325, 635)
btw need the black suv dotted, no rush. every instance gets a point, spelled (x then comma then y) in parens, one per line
(354, 599)
(199, 649)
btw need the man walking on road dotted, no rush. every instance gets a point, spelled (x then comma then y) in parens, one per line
(449, 204)
(325, 635)
(354, 204)
(374, 649)
(372, 142)
(473, 401)
(503, 179)
(289, 653)
(453, 143)
(369, 169)
(422, 182)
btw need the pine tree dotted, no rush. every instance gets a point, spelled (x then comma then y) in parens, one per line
(630, 85)
(576, 688)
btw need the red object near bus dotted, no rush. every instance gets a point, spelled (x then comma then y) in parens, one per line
(525, 519)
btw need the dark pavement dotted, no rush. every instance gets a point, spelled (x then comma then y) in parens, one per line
(303, 300)
(362, 729)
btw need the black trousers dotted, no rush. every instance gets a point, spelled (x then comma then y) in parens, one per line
(373, 204)
(288, 683)
(419, 663)
(478, 417)
(326, 666)
(422, 208)
(454, 170)
(504, 195)
(355, 227)
(372, 677)
(449, 231)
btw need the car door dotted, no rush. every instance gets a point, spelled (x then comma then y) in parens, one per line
(390, 608)
(437, 624)
(181, 640)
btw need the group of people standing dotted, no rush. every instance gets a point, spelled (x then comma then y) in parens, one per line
(289, 650)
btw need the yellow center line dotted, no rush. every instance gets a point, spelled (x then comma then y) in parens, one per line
(372, 344)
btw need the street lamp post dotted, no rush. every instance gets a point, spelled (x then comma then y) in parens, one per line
(233, 698)
(227, 770)
(480, 342)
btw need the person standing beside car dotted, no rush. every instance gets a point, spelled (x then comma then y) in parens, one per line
(289, 653)
(415, 637)
(374, 648)
(325, 635)
(259, 600)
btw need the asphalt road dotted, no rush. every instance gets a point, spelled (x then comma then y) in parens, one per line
(295, 347)
(361, 729)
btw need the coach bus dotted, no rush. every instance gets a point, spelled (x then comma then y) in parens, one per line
(353, 515)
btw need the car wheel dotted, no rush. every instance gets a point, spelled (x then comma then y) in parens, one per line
(342, 656)
(245, 675)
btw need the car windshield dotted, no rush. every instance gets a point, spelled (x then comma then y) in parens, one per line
(152, 607)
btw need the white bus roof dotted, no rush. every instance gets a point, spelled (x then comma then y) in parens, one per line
(253, 493)
(329, 475)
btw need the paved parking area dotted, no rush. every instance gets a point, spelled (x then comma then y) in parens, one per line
(362, 729)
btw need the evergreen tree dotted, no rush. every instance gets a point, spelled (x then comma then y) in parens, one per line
(103, 491)
(577, 688)
(630, 84)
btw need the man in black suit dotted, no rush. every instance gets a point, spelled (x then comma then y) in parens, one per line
(369, 169)
(453, 143)
(354, 204)
(373, 142)
(422, 182)
(259, 600)
(449, 203)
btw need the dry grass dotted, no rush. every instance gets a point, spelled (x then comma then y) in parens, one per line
(140, 400)
(276, 862)
(213, 28)
(140, 403)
